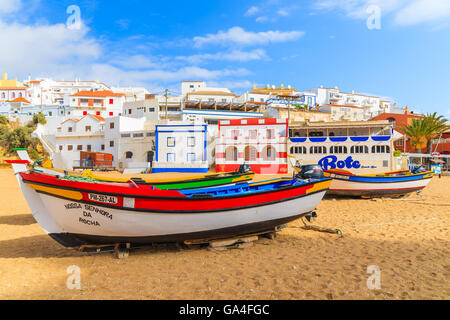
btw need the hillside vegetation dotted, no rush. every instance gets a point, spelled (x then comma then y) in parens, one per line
(13, 135)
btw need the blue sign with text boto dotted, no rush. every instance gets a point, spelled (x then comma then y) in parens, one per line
(331, 162)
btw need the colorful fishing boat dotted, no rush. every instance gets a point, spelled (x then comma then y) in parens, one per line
(396, 183)
(202, 181)
(83, 214)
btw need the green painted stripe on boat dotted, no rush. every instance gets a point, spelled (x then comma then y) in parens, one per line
(19, 149)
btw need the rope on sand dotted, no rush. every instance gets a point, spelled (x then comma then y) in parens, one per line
(308, 226)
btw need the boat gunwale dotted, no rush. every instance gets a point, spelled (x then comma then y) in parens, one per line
(417, 177)
(241, 195)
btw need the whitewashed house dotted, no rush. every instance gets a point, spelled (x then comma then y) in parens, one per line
(181, 147)
(76, 135)
(103, 103)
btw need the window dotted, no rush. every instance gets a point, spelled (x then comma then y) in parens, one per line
(171, 157)
(318, 150)
(298, 150)
(359, 149)
(126, 135)
(269, 153)
(270, 133)
(170, 141)
(129, 155)
(60, 148)
(231, 154)
(338, 149)
(138, 135)
(70, 129)
(111, 144)
(88, 128)
(89, 148)
(252, 134)
(129, 111)
(69, 148)
(97, 113)
(400, 142)
(79, 147)
(235, 134)
(191, 157)
(111, 125)
(84, 113)
(111, 101)
(381, 149)
(191, 141)
(385, 163)
(103, 147)
(250, 153)
(111, 114)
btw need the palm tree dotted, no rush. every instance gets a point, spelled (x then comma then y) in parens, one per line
(422, 131)
(436, 126)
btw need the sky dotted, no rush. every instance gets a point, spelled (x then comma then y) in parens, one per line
(397, 49)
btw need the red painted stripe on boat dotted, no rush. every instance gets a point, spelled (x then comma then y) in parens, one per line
(17, 161)
(421, 187)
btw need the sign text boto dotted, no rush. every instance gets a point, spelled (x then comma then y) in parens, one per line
(331, 162)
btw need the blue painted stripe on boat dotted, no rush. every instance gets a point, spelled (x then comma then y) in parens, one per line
(180, 170)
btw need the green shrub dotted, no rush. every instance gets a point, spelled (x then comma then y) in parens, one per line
(39, 118)
(19, 138)
(3, 119)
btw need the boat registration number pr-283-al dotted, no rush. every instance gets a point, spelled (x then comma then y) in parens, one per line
(103, 198)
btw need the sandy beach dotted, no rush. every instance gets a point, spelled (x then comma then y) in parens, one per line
(408, 240)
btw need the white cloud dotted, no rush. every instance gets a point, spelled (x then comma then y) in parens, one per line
(420, 11)
(34, 48)
(252, 11)
(238, 36)
(404, 12)
(283, 12)
(234, 55)
(9, 6)
(53, 50)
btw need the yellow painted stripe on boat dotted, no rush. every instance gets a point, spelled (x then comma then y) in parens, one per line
(243, 178)
(319, 186)
(74, 195)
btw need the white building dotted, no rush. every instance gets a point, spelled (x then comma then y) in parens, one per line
(181, 147)
(131, 141)
(372, 105)
(76, 135)
(103, 103)
(50, 92)
(362, 147)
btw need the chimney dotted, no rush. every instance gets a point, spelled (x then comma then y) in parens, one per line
(5, 76)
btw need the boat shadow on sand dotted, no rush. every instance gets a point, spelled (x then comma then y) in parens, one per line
(18, 220)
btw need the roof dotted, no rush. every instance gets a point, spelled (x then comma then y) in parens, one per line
(211, 93)
(74, 120)
(98, 94)
(97, 117)
(20, 99)
(13, 88)
(35, 81)
(343, 106)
